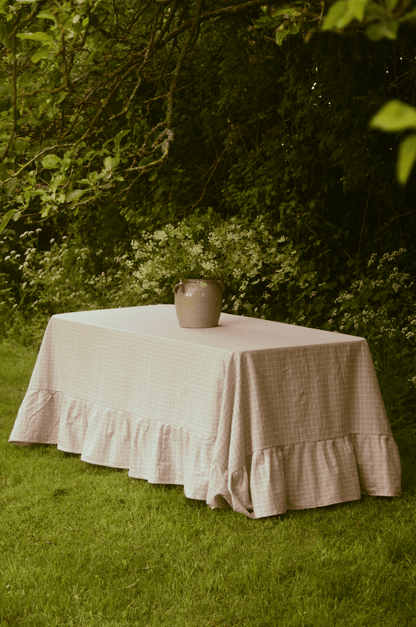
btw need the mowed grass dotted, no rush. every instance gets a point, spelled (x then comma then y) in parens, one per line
(87, 546)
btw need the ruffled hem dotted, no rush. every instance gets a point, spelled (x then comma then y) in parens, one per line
(310, 474)
(149, 449)
(274, 480)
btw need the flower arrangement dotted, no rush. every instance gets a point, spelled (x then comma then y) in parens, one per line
(252, 258)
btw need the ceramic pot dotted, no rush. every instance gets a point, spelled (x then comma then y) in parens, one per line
(198, 302)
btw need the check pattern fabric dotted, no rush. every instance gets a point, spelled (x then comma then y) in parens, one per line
(254, 415)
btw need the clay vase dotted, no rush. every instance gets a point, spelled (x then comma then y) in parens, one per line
(198, 302)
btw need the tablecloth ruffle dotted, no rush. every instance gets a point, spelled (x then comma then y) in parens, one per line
(297, 476)
(310, 474)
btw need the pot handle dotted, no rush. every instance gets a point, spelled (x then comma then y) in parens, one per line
(222, 284)
(181, 285)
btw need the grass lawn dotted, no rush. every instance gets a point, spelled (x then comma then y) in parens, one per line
(87, 546)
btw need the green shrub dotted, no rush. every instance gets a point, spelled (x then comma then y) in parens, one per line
(381, 306)
(37, 284)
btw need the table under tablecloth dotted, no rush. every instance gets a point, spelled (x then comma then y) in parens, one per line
(254, 415)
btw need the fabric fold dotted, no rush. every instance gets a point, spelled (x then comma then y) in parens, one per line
(38, 419)
(269, 482)
(378, 463)
(310, 474)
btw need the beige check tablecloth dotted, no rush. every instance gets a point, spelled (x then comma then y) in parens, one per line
(254, 415)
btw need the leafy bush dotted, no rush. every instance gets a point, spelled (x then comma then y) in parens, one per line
(381, 306)
(36, 284)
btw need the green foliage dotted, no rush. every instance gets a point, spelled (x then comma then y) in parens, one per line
(89, 94)
(379, 20)
(381, 306)
(407, 158)
(396, 116)
(317, 167)
(343, 12)
(68, 276)
(288, 20)
(61, 99)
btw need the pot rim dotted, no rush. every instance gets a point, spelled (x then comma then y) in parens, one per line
(197, 280)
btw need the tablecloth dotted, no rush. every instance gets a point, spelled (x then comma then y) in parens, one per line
(254, 415)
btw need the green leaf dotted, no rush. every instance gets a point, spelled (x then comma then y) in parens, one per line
(357, 8)
(51, 162)
(92, 177)
(394, 116)
(39, 36)
(295, 28)
(56, 182)
(6, 219)
(407, 158)
(120, 136)
(343, 12)
(2, 3)
(386, 29)
(40, 54)
(108, 163)
(292, 30)
(10, 186)
(286, 11)
(46, 15)
(338, 16)
(21, 144)
(375, 11)
(61, 96)
(263, 21)
(74, 195)
(408, 17)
